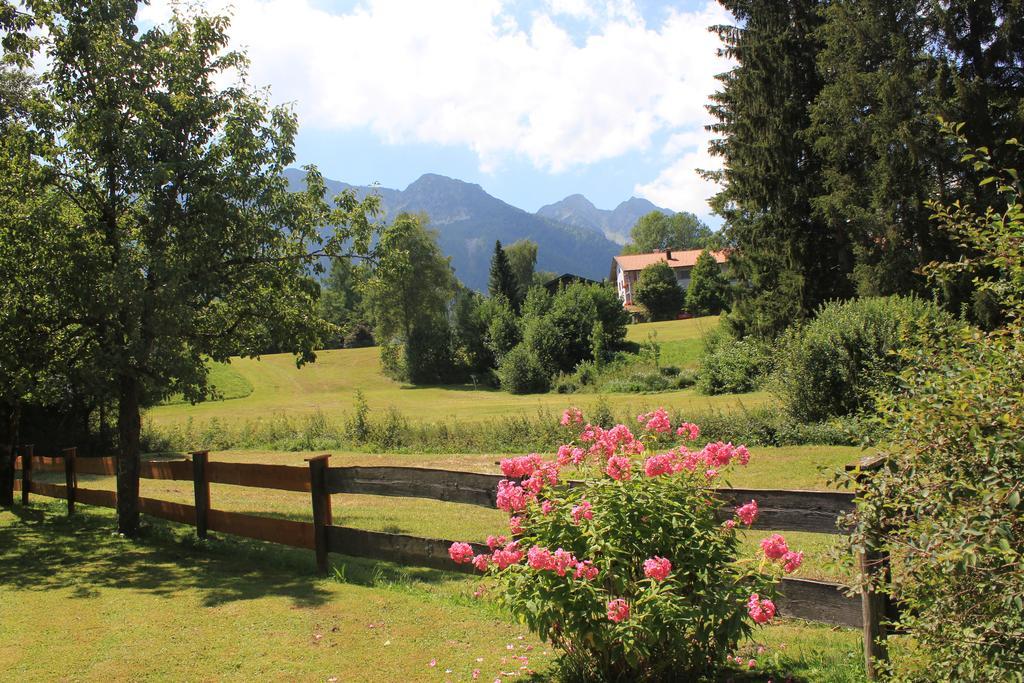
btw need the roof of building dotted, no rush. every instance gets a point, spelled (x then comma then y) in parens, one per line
(674, 258)
(567, 279)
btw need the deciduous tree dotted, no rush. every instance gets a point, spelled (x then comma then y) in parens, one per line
(656, 232)
(190, 245)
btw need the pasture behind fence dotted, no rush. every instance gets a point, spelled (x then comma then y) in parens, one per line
(780, 510)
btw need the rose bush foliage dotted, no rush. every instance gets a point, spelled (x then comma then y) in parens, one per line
(630, 572)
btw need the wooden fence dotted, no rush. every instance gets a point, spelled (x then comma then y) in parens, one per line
(781, 510)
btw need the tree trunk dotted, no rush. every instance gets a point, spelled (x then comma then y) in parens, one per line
(129, 428)
(7, 455)
(6, 476)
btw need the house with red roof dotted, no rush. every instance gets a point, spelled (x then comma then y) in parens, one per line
(626, 269)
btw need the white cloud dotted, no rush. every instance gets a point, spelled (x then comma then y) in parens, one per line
(465, 73)
(572, 8)
(679, 186)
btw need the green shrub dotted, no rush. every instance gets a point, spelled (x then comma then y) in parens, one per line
(357, 426)
(685, 379)
(638, 382)
(631, 576)
(730, 365)
(564, 384)
(838, 362)
(563, 335)
(521, 373)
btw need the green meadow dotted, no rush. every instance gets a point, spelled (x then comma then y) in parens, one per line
(328, 386)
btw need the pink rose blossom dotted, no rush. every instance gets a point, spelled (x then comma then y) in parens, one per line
(729, 523)
(496, 541)
(689, 430)
(618, 467)
(586, 570)
(582, 511)
(515, 525)
(561, 561)
(618, 610)
(747, 513)
(657, 568)
(774, 547)
(481, 562)
(572, 415)
(511, 496)
(656, 421)
(657, 465)
(516, 468)
(743, 455)
(791, 561)
(761, 611)
(568, 454)
(752, 664)
(461, 552)
(507, 556)
(539, 558)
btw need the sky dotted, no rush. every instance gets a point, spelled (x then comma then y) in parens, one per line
(533, 100)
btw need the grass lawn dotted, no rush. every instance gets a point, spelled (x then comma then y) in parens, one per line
(329, 385)
(80, 603)
(681, 341)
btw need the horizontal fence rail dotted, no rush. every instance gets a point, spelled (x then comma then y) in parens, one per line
(814, 511)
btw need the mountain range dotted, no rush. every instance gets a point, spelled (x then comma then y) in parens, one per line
(572, 235)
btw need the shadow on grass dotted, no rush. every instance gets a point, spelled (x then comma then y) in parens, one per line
(45, 550)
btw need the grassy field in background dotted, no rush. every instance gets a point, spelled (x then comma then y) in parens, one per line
(329, 385)
(681, 341)
(172, 608)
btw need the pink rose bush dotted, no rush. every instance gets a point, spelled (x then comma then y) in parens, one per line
(629, 570)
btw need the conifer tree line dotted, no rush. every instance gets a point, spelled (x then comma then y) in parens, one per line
(829, 131)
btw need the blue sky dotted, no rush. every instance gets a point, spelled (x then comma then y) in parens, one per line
(532, 100)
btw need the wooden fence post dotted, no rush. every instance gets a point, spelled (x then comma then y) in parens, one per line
(201, 482)
(27, 451)
(70, 478)
(874, 607)
(8, 455)
(321, 507)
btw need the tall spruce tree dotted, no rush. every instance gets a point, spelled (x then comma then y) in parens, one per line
(708, 288)
(787, 260)
(893, 68)
(502, 281)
